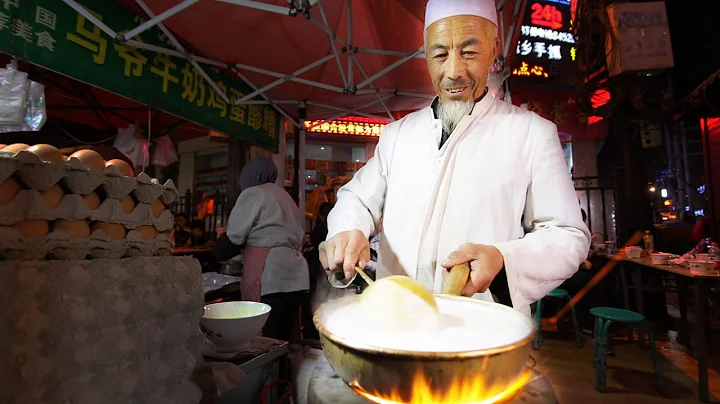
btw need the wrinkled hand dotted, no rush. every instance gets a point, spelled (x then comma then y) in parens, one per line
(485, 263)
(587, 265)
(345, 251)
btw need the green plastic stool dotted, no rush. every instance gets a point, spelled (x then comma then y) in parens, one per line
(559, 294)
(604, 317)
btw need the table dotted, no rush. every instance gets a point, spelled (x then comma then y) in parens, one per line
(701, 288)
(327, 388)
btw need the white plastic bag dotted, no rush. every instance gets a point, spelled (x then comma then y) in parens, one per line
(165, 153)
(13, 93)
(131, 143)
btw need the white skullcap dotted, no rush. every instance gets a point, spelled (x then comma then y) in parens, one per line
(439, 9)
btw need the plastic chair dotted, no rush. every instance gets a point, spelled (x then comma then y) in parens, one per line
(604, 317)
(558, 294)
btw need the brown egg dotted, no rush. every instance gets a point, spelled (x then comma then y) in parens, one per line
(32, 228)
(2, 146)
(53, 196)
(78, 228)
(92, 200)
(16, 147)
(147, 232)
(157, 208)
(92, 159)
(47, 153)
(8, 190)
(128, 204)
(122, 166)
(113, 230)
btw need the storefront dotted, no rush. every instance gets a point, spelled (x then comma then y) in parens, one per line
(334, 151)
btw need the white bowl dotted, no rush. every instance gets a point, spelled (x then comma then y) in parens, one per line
(230, 326)
(633, 252)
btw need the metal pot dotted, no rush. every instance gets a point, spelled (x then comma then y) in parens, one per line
(232, 268)
(387, 373)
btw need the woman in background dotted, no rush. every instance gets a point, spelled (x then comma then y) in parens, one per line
(269, 225)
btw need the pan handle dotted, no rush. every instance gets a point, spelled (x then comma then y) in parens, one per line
(456, 280)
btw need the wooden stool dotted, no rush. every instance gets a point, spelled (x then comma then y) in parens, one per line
(604, 317)
(560, 294)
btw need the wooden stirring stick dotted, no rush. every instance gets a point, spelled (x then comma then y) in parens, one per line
(363, 275)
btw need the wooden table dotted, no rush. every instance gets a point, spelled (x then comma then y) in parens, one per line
(702, 283)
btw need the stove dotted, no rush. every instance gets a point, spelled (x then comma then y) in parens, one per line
(327, 388)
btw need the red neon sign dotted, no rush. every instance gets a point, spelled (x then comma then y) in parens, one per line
(546, 16)
(358, 126)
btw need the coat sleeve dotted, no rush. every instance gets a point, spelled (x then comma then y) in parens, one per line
(556, 240)
(244, 215)
(360, 202)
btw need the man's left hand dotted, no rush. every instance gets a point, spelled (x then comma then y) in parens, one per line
(485, 263)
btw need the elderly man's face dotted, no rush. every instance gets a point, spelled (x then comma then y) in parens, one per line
(459, 52)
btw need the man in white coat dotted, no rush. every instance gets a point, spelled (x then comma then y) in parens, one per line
(467, 179)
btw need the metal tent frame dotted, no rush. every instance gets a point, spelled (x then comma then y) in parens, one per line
(338, 46)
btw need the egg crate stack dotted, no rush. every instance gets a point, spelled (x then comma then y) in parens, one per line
(100, 331)
(65, 210)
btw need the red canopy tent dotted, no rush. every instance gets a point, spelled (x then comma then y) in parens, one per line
(330, 59)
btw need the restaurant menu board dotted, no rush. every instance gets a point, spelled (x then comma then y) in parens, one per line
(546, 46)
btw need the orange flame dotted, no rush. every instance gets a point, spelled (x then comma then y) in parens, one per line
(460, 392)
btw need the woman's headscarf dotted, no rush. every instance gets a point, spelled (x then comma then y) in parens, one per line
(257, 171)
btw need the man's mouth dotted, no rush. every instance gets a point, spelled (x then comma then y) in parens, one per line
(455, 90)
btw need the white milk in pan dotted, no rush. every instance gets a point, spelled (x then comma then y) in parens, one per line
(463, 325)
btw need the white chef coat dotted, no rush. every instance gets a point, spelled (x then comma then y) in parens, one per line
(500, 179)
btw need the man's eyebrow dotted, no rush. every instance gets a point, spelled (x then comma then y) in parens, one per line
(469, 42)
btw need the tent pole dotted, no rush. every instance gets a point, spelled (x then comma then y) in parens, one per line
(350, 70)
(332, 44)
(171, 52)
(295, 79)
(384, 52)
(301, 160)
(190, 58)
(389, 68)
(85, 13)
(377, 92)
(274, 104)
(157, 19)
(286, 78)
(416, 95)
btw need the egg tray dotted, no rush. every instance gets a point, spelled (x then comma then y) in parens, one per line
(29, 204)
(76, 177)
(60, 245)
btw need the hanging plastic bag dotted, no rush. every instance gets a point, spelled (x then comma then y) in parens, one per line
(126, 140)
(13, 93)
(14, 87)
(141, 155)
(165, 153)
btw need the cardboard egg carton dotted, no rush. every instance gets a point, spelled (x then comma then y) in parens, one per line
(60, 245)
(41, 176)
(29, 204)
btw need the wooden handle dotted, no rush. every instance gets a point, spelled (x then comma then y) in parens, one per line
(456, 280)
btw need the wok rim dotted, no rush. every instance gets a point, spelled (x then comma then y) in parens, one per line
(445, 355)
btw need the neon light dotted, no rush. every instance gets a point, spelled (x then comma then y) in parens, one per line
(526, 70)
(354, 126)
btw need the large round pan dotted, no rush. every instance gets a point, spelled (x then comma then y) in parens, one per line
(391, 375)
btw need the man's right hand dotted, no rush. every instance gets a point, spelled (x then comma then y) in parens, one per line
(345, 251)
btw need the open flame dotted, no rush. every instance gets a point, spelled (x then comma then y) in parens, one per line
(460, 392)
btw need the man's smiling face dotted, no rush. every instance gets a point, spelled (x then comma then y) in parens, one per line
(459, 51)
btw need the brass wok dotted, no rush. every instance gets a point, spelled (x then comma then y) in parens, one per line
(392, 373)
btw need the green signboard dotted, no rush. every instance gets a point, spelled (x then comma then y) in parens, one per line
(51, 34)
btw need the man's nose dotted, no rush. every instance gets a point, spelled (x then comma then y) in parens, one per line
(456, 67)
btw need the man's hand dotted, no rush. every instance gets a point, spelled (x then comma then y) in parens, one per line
(587, 265)
(485, 263)
(345, 251)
